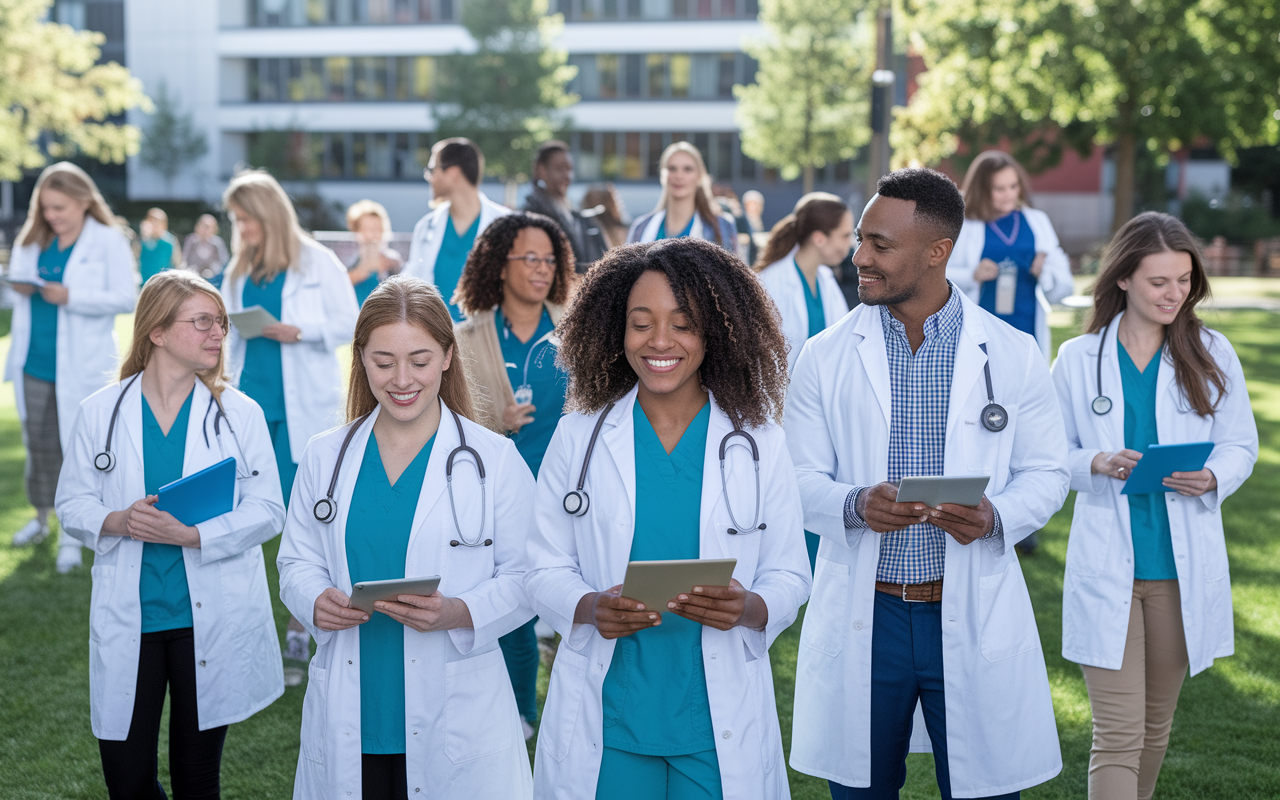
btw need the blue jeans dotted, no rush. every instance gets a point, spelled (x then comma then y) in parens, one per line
(906, 666)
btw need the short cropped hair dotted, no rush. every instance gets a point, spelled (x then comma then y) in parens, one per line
(461, 153)
(547, 150)
(939, 203)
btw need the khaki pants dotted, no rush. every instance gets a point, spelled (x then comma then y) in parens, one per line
(1133, 706)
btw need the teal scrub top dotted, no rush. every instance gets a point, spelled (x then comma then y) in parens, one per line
(262, 377)
(450, 261)
(655, 693)
(162, 584)
(365, 288)
(1148, 515)
(812, 305)
(42, 354)
(534, 363)
(662, 234)
(378, 528)
(155, 257)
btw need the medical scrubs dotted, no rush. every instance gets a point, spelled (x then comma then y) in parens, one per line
(817, 322)
(452, 257)
(365, 288)
(263, 378)
(688, 229)
(657, 717)
(154, 257)
(162, 580)
(42, 353)
(546, 379)
(377, 539)
(1022, 252)
(1148, 515)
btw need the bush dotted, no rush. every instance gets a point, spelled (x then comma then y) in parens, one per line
(1240, 218)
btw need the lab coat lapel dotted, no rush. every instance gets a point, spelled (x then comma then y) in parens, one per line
(968, 369)
(718, 426)
(342, 494)
(651, 230)
(433, 482)
(875, 360)
(195, 455)
(129, 423)
(1112, 385)
(80, 251)
(620, 442)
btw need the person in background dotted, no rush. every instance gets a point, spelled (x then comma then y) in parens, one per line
(513, 292)
(729, 204)
(552, 177)
(602, 203)
(72, 272)
(686, 207)
(443, 238)
(753, 210)
(204, 252)
(1146, 592)
(374, 262)
(159, 249)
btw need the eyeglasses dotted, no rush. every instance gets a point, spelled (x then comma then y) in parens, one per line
(204, 322)
(532, 261)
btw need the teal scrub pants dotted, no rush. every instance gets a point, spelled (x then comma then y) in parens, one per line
(631, 776)
(520, 651)
(279, 431)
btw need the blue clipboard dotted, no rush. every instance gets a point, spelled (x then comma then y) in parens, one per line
(202, 495)
(1162, 460)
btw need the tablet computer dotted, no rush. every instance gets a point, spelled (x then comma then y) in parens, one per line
(933, 491)
(251, 321)
(655, 583)
(365, 593)
(1162, 460)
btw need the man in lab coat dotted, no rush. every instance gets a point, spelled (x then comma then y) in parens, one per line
(919, 606)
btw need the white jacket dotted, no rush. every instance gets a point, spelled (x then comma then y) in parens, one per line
(1098, 584)
(318, 299)
(1055, 276)
(1001, 735)
(784, 285)
(101, 282)
(571, 556)
(429, 233)
(462, 728)
(237, 649)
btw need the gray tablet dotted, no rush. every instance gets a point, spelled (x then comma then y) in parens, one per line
(962, 490)
(655, 583)
(365, 593)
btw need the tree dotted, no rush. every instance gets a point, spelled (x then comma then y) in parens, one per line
(172, 139)
(505, 96)
(809, 104)
(1047, 74)
(54, 100)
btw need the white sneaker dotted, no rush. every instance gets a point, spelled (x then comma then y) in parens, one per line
(297, 645)
(34, 532)
(68, 558)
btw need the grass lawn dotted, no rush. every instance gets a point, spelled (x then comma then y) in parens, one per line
(1226, 736)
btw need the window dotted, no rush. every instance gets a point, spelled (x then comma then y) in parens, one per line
(360, 155)
(424, 77)
(679, 75)
(587, 158)
(721, 155)
(402, 163)
(336, 161)
(371, 78)
(70, 12)
(656, 67)
(379, 158)
(705, 76)
(587, 82)
(609, 155)
(633, 167)
(607, 66)
(632, 75)
(656, 146)
(727, 62)
(338, 72)
(655, 9)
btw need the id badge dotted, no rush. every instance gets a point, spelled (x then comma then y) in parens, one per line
(524, 395)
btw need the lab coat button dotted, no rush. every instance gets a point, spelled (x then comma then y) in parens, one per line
(727, 735)
(197, 605)
(202, 663)
(348, 661)
(713, 656)
(857, 624)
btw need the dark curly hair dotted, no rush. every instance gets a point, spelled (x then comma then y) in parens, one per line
(745, 364)
(939, 203)
(480, 287)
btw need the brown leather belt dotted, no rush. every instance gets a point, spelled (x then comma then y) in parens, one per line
(913, 592)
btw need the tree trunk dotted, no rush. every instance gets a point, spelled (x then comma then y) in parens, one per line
(1126, 163)
(808, 178)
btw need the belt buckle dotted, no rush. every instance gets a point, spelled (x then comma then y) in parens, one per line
(906, 600)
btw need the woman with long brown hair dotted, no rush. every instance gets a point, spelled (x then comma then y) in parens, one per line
(686, 206)
(1147, 593)
(178, 609)
(414, 691)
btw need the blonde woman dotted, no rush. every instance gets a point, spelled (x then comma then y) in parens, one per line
(177, 609)
(72, 272)
(374, 262)
(686, 207)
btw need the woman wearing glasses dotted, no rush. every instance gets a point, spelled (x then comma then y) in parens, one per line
(513, 291)
(175, 607)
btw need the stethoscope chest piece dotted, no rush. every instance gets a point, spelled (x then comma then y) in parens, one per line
(994, 417)
(1101, 405)
(576, 503)
(325, 509)
(104, 461)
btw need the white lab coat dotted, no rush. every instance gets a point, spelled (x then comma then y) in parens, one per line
(462, 728)
(1055, 276)
(1098, 585)
(1001, 735)
(318, 299)
(101, 282)
(429, 233)
(237, 649)
(786, 288)
(571, 556)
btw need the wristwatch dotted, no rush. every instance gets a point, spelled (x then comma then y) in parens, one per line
(299, 335)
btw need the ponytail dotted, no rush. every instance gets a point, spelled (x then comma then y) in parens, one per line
(816, 211)
(784, 236)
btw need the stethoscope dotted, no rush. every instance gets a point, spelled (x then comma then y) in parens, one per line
(326, 508)
(576, 502)
(106, 460)
(524, 392)
(993, 417)
(1101, 404)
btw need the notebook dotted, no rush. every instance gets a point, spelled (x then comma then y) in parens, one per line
(202, 495)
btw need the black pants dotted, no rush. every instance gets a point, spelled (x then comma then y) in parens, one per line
(382, 777)
(166, 659)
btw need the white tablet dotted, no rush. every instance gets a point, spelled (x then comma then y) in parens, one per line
(962, 490)
(655, 583)
(250, 322)
(365, 593)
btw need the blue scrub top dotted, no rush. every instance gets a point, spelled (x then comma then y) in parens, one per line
(262, 377)
(1022, 252)
(162, 584)
(42, 354)
(662, 234)
(365, 288)
(378, 529)
(155, 257)
(1148, 514)
(812, 305)
(450, 261)
(655, 693)
(547, 380)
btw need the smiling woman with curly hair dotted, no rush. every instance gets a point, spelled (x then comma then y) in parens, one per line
(677, 373)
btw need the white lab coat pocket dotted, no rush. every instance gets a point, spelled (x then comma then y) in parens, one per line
(99, 598)
(315, 714)
(1008, 621)
(828, 606)
(479, 707)
(1092, 527)
(564, 701)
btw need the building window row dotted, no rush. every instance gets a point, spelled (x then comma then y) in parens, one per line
(293, 13)
(342, 79)
(696, 76)
(608, 10)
